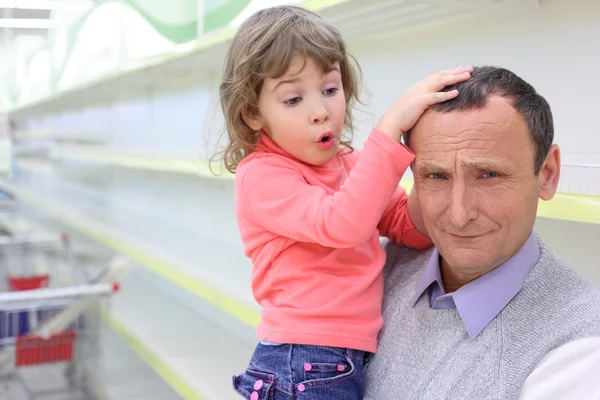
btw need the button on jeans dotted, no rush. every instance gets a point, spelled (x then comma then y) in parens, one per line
(290, 372)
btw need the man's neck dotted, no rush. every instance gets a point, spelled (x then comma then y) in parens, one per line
(454, 278)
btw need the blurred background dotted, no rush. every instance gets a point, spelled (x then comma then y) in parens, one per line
(109, 108)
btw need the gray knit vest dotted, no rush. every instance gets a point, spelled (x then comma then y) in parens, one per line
(427, 354)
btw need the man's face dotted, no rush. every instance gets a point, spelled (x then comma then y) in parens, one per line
(474, 175)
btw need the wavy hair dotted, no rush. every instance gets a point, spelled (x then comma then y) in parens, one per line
(264, 47)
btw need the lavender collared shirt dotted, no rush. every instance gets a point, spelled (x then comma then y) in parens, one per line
(481, 300)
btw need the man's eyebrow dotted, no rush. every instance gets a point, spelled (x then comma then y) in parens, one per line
(427, 166)
(484, 165)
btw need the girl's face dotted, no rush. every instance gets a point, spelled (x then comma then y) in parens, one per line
(303, 111)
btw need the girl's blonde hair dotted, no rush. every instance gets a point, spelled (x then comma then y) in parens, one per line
(263, 47)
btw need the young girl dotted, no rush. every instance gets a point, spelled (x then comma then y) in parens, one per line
(310, 210)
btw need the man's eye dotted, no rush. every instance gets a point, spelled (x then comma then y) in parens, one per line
(436, 175)
(491, 175)
(293, 101)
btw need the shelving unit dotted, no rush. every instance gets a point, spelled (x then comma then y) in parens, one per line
(129, 235)
(180, 344)
(567, 206)
(122, 354)
(190, 63)
(136, 183)
(57, 137)
(171, 347)
(125, 371)
(180, 161)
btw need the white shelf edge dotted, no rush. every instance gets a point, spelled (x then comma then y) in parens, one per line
(208, 42)
(157, 362)
(143, 350)
(154, 260)
(124, 158)
(564, 206)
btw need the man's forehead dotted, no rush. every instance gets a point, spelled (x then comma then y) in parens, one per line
(482, 138)
(497, 122)
(497, 108)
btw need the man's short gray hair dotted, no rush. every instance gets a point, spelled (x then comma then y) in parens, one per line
(487, 81)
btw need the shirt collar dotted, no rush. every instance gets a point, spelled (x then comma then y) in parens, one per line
(481, 300)
(266, 145)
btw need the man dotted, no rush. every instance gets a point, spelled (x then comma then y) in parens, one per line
(490, 312)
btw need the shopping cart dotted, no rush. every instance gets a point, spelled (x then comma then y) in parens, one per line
(49, 338)
(35, 261)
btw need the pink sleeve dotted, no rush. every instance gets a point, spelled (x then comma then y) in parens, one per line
(275, 195)
(396, 225)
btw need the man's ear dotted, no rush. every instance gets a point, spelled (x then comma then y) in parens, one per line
(253, 121)
(550, 174)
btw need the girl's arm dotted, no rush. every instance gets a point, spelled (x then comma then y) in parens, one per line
(274, 194)
(402, 222)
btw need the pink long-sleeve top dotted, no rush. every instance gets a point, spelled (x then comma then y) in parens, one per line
(312, 233)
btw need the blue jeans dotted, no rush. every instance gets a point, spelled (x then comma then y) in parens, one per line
(289, 371)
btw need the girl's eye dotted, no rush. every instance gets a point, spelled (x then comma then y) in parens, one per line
(293, 101)
(491, 175)
(330, 91)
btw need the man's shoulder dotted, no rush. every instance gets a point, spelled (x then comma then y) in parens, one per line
(562, 294)
(553, 272)
(555, 306)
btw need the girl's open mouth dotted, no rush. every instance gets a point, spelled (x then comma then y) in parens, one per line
(326, 140)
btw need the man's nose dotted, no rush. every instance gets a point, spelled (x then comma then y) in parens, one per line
(462, 208)
(319, 113)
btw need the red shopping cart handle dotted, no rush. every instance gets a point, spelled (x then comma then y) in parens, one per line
(29, 283)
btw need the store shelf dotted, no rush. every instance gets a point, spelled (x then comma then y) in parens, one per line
(122, 354)
(195, 348)
(194, 62)
(216, 280)
(573, 242)
(565, 206)
(571, 207)
(180, 161)
(162, 325)
(189, 351)
(128, 369)
(57, 137)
